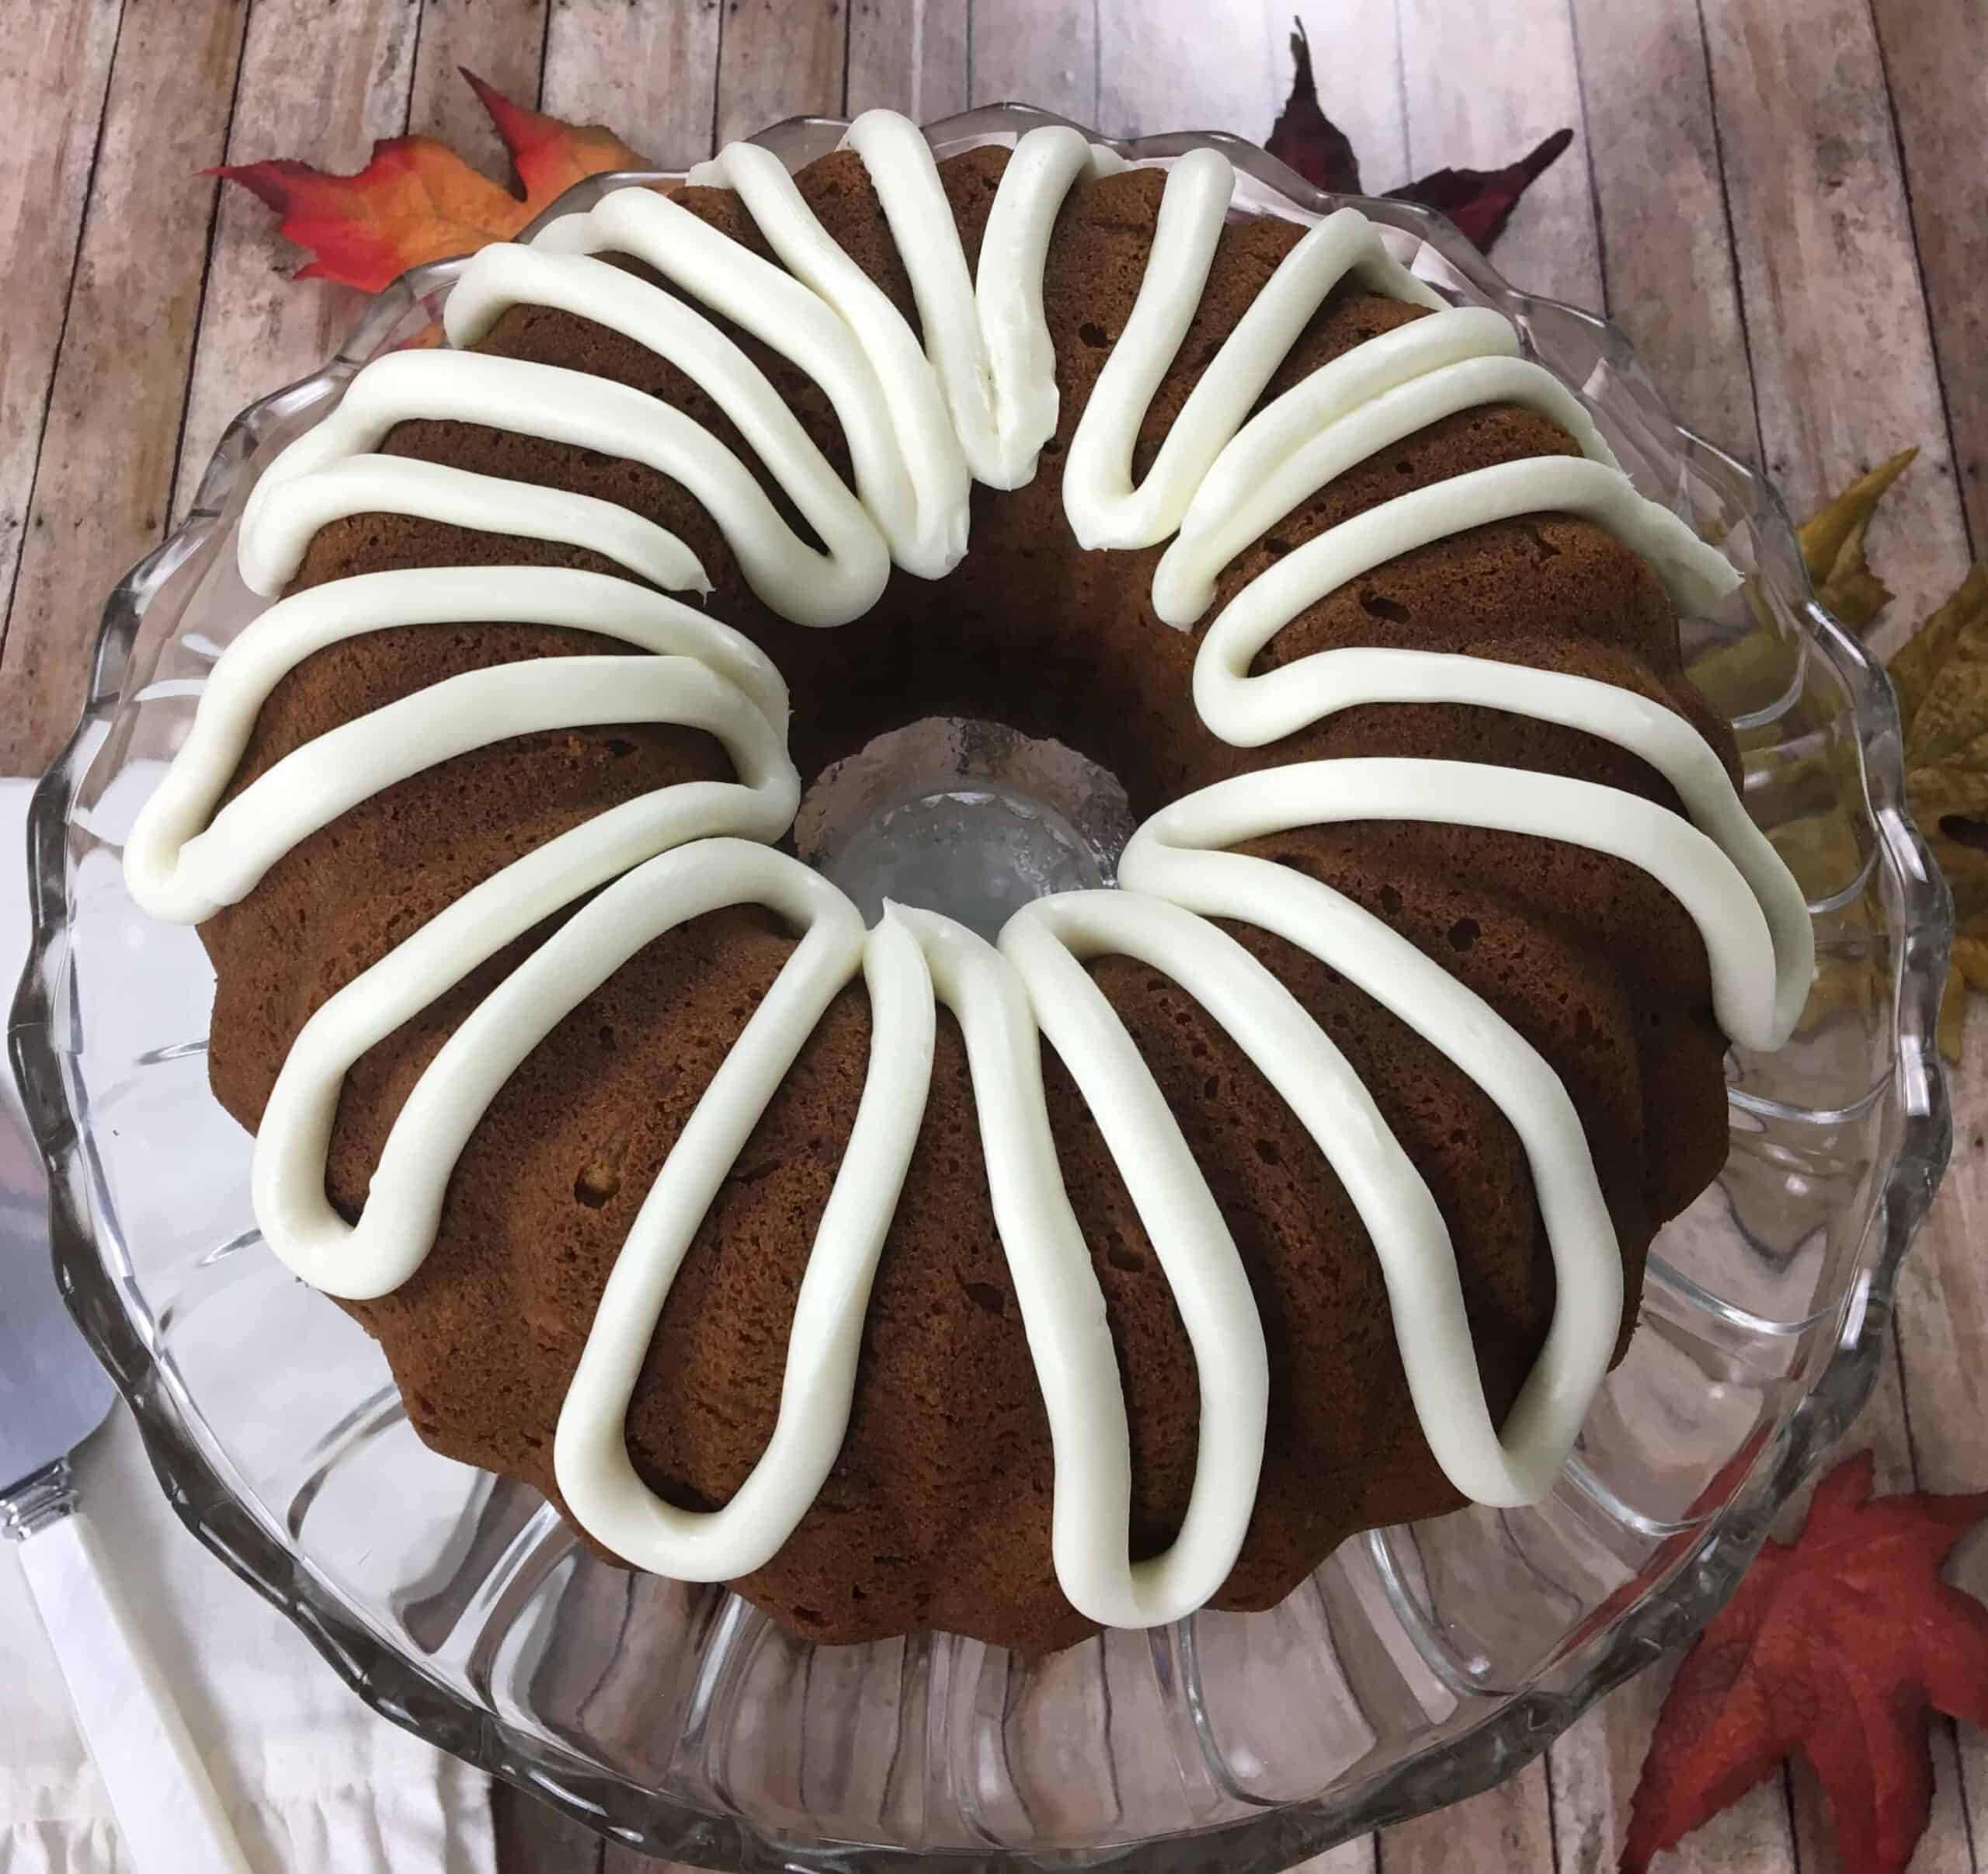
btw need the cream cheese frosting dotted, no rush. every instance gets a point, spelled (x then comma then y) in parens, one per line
(974, 401)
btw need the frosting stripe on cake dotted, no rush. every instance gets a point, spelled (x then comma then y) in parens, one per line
(784, 315)
(977, 397)
(433, 491)
(590, 1455)
(589, 412)
(178, 866)
(1410, 1238)
(1750, 879)
(1062, 1307)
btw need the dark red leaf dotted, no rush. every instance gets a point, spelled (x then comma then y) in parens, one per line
(1840, 1645)
(1305, 137)
(1481, 201)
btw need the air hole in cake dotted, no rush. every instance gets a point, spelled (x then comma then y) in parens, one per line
(1121, 1255)
(984, 1296)
(969, 817)
(1373, 604)
(1093, 335)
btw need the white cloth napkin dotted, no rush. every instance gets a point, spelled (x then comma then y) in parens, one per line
(314, 1783)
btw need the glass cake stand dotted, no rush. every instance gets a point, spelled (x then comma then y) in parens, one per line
(1420, 1664)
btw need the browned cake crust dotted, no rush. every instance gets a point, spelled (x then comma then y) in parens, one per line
(937, 1512)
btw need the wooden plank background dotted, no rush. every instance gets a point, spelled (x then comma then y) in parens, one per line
(1783, 201)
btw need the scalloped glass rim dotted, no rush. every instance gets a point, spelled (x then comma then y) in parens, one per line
(1696, 1555)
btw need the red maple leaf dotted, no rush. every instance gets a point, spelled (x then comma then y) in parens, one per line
(417, 200)
(1480, 201)
(1840, 1645)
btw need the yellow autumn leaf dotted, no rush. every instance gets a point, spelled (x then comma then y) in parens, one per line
(1966, 869)
(1952, 1024)
(1923, 654)
(1750, 672)
(1953, 712)
(1833, 546)
(1971, 958)
(1941, 677)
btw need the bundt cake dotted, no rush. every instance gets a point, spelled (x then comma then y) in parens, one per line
(899, 1279)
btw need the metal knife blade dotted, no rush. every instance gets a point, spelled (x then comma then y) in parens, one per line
(53, 1392)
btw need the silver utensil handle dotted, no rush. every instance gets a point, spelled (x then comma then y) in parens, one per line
(167, 1812)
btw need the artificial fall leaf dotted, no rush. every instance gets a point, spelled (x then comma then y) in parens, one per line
(1919, 660)
(1841, 1646)
(1480, 201)
(1752, 670)
(1305, 137)
(1942, 678)
(416, 200)
(1971, 960)
(1833, 546)
(1950, 1031)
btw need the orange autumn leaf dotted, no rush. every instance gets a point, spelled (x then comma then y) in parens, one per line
(416, 200)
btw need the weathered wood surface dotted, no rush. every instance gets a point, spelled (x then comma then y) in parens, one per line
(1781, 199)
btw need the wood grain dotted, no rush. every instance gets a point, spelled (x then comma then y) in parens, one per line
(1667, 274)
(908, 55)
(318, 84)
(1484, 112)
(532, 1837)
(1835, 320)
(1943, 1344)
(780, 59)
(1190, 68)
(502, 41)
(1037, 52)
(1362, 1855)
(102, 492)
(1509, 1825)
(650, 71)
(1936, 68)
(52, 79)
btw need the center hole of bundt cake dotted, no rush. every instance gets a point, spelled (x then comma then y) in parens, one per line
(967, 818)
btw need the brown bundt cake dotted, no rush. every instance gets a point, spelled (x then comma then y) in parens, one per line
(936, 1511)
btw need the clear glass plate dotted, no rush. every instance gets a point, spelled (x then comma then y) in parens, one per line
(1421, 1663)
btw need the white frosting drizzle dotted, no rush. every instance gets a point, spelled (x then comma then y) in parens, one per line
(988, 342)
(185, 860)
(1063, 1308)
(377, 483)
(589, 412)
(978, 397)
